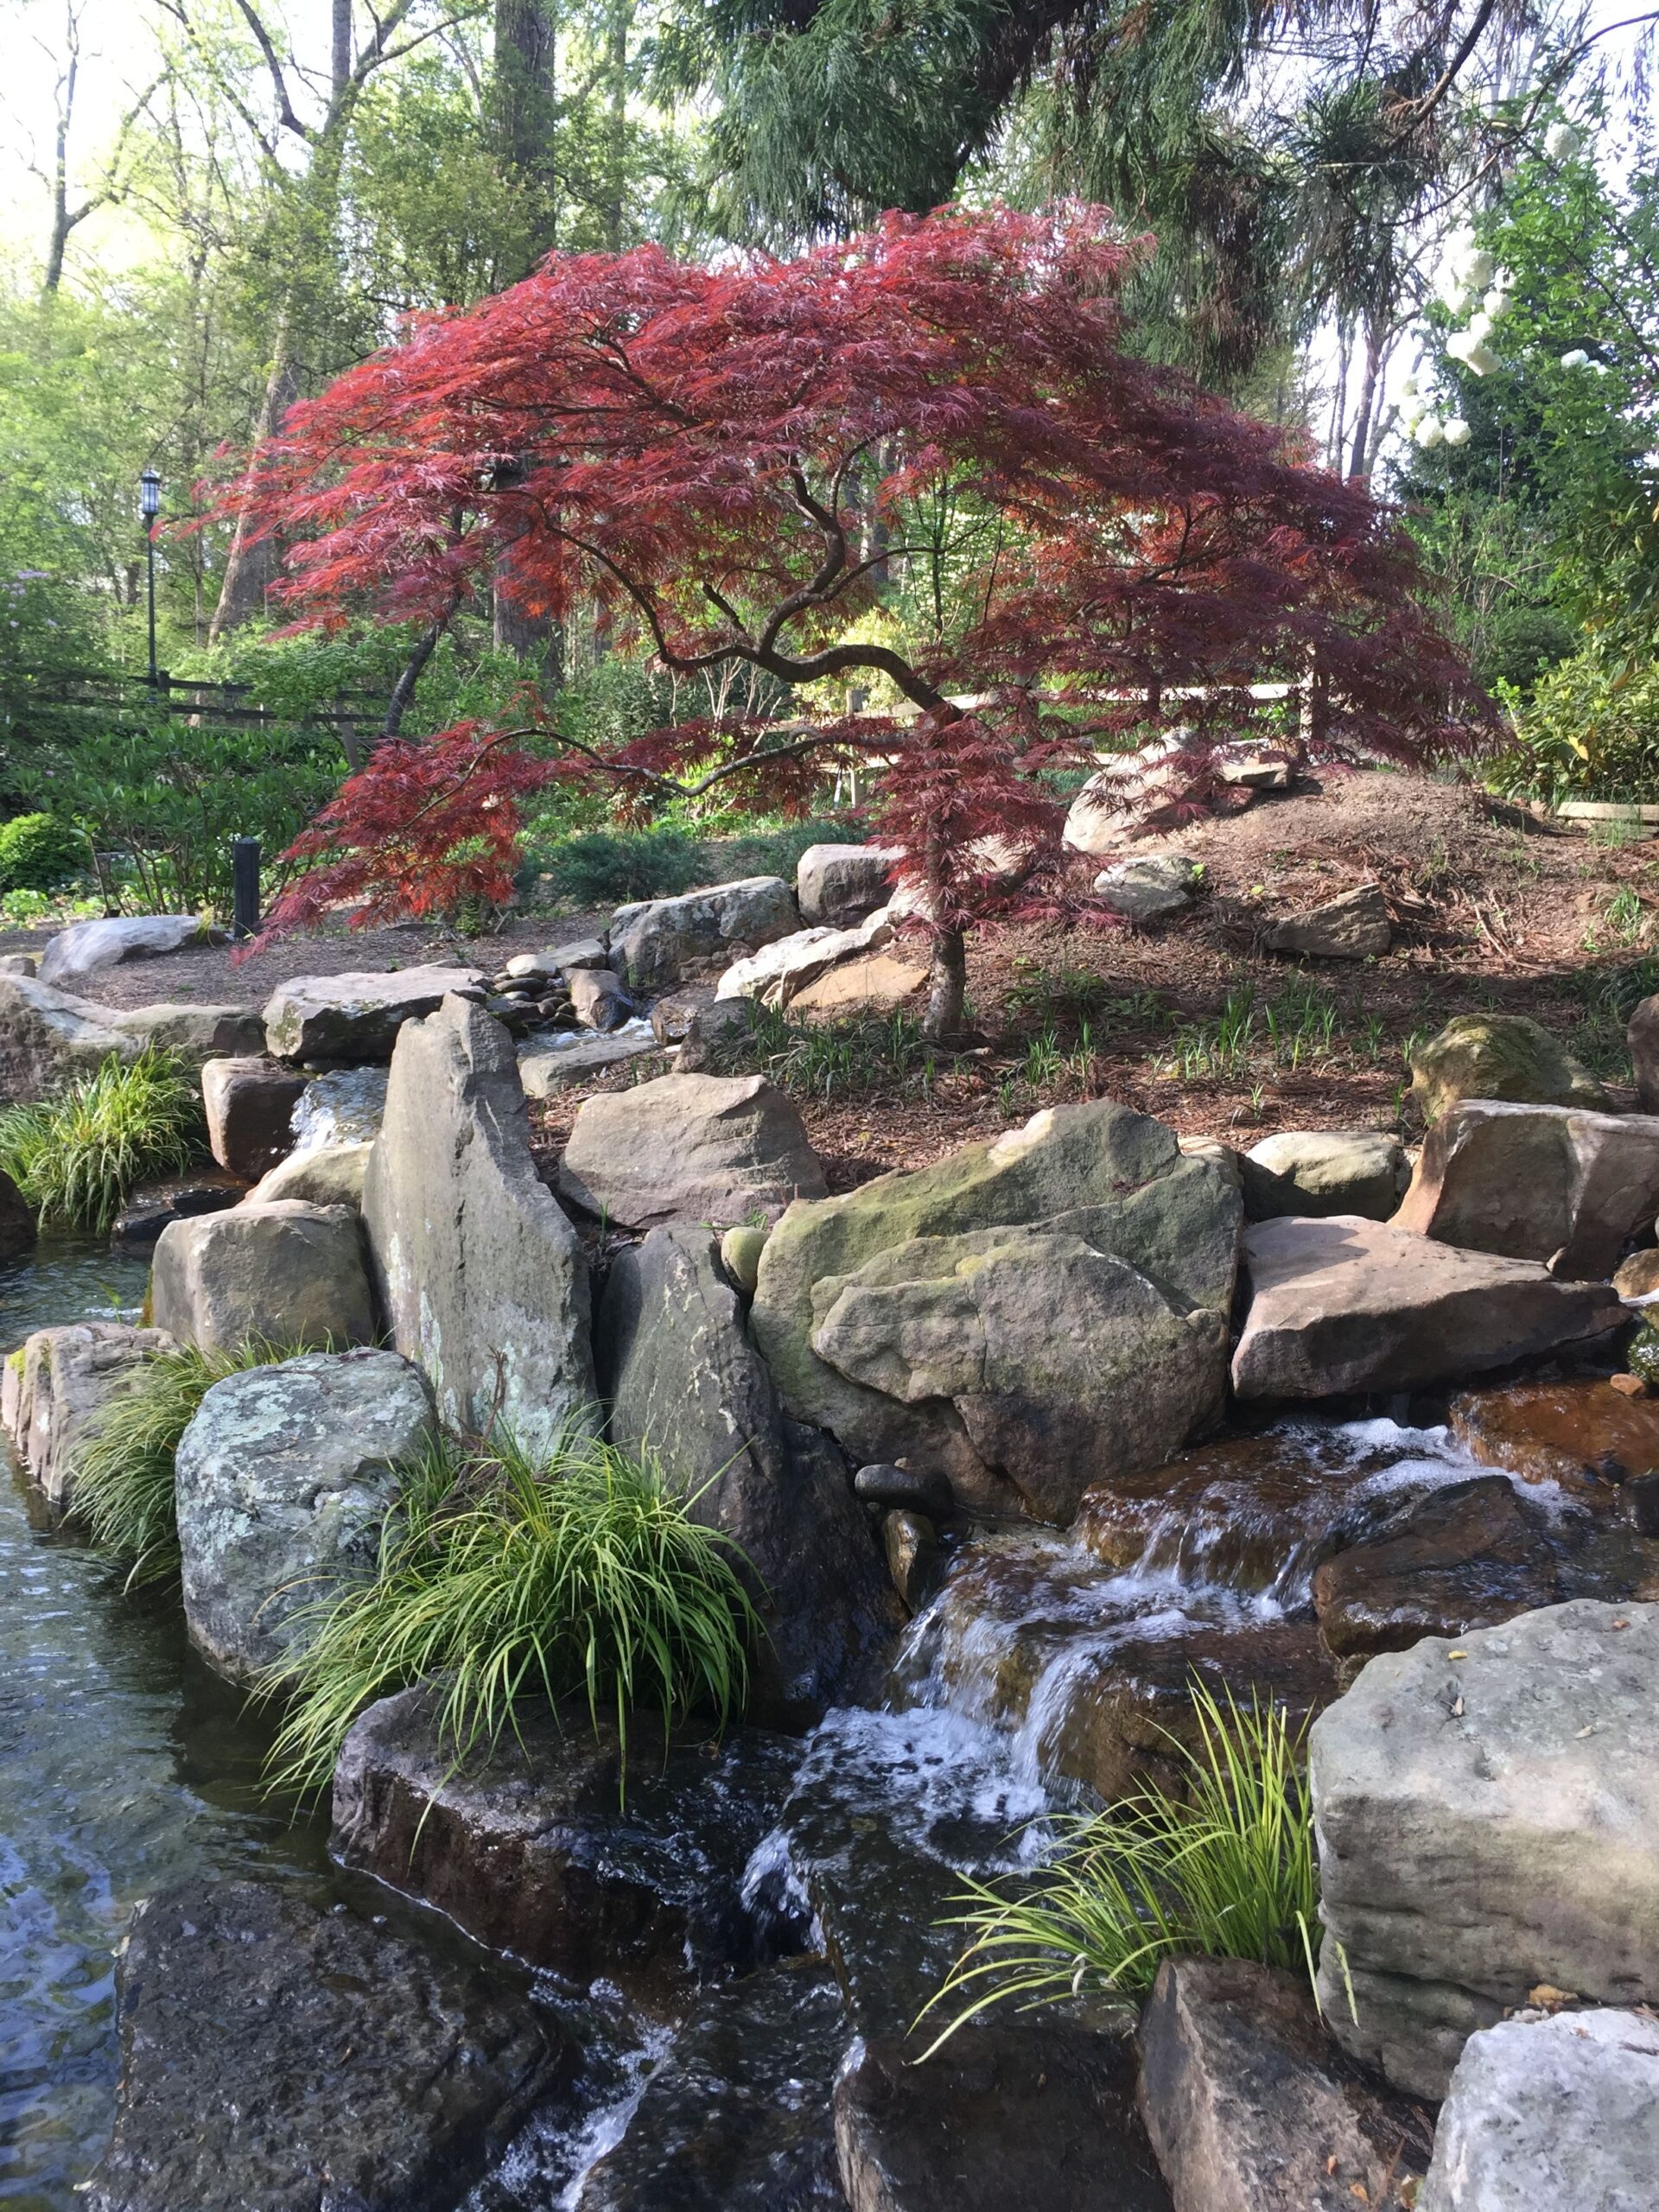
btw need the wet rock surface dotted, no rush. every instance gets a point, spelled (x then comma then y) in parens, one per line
(277, 2055)
(690, 1148)
(1022, 2113)
(17, 1231)
(1488, 1815)
(1575, 1430)
(152, 1206)
(534, 1849)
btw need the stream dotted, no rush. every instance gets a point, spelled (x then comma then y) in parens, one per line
(1043, 1666)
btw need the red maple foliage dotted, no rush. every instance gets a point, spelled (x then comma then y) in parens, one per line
(732, 461)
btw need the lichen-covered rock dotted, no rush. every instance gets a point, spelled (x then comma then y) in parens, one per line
(1506, 1056)
(685, 1382)
(1561, 2109)
(1549, 1183)
(277, 2054)
(282, 1274)
(48, 1037)
(838, 884)
(1354, 925)
(1318, 1171)
(659, 942)
(1488, 1817)
(356, 1016)
(1345, 1305)
(78, 951)
(285, 1479)
(61, 1379)
(481, 1277)
(689, 1148)
(1152, 1233)
(248, 1102)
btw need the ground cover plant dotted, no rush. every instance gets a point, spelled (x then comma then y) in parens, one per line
(1227, 1867)
(505, 1579)
(76, 1155)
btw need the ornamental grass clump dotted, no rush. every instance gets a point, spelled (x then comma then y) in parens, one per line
(505, 1579)
(1228, 1870)
(122, 1496)
(75, 1156)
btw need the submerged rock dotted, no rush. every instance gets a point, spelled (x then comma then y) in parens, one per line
(275, 2055)
(1015, 2112)
(534, 1847)
(282, 1274)
(1562, 2110)
(1575, 1430)
(151, 1207)
(690, 1148)
(1505, 1055)
(1489, 1821)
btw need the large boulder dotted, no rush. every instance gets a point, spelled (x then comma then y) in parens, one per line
(869, 983)
(285, 1479)
(1559, 2110)
(1506, 1056)
(1550, 1183)
(1147, 1237)
(688, 1147)
(838, 884)
(1317, 1172)
(685, 1385)
(78, 951)
(196, 1034)
(1245, 2105)
(277, 2054)
(56, 1382)
(481, 1277)
(657, 942)
(48, 1037)
(1354, 925)
(1488, 1821)
(283, 1274)
(249, 1102)
(538, 1848)
(1152, 887)
(356, 1016)
(327, 1175)
(1642, 1037)
(778, 972)
(17, 1229)
(1345, 1305)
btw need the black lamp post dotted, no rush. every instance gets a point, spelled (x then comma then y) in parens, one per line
(149, 506)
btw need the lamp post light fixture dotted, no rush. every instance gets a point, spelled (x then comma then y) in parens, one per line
(149, 506)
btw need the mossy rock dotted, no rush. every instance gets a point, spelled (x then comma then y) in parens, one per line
(1505, 1056)
(1643, 1357)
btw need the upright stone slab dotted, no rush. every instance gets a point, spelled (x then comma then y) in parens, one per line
(1488, 1817)
(357, 1017)
(285, 1479)
(1551, 1183)
(481, 1277)
(685, 1383)
(249, 1102)
(62, 1378)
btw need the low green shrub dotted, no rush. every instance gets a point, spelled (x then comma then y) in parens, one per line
(1228, 1869)
(39, 853)
(608, 867)
(122, 1495)
(1590, 730)
(74, 1157)
(505, 1577)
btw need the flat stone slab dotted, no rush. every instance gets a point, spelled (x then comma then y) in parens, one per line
(1488, 1817)
(1345, 1305)
(553, 1062)
(275, 2055)
(1573, 1429)
(357, 1016)
(1557, 2111)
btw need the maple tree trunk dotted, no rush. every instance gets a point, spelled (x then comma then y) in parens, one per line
(403, 692)
(947, 986)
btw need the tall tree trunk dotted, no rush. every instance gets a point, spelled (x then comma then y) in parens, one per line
(249, 568)
(340, 57)
(617, 146)
(525, 93)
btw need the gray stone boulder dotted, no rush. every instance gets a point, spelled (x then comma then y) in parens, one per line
(481, 1275)
(1551, 1183)
(1354, 925)
(1345, 1305)
(1506, 1056)
(1010, 1405)
(277, 2054)
(249, 1103)
(779, 971)
(57, 1382)
(17, 1229)
(285, 1479)
(556, 1061)
(685, 1385)
(327, 1175)
(659, 942)
(84, 947)
(1243, 2103)
(196, 1034)
(1152, 887)
(48, 1037)
(357, 1016)
(1488, 1818)
(282, 1274)
(839, 885)
(689, 1148)
(1320, 1172)
(600, 998)
(1560, 2109)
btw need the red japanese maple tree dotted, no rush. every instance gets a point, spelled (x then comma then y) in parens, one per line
(732, 461)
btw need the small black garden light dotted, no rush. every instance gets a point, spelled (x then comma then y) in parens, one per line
(149, 506)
